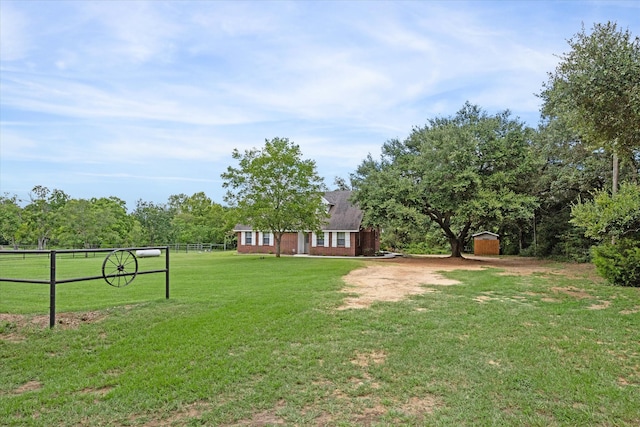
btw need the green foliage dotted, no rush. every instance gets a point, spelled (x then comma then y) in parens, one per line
(56, 220)
(10, 219)
(155, 223)
(41, 216)
(615, 218)
(619, 263)
(425, 248)
(610, 216)
(91, 223)
(568, 171)
(275, 190)
(594, 90)
(407, 238)
(464, 173)
(197, 219)
(595, 87)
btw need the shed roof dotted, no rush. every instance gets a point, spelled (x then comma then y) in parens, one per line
(485, 233)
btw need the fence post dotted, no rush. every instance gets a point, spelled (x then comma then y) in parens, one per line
(52, 290)
(167, 273)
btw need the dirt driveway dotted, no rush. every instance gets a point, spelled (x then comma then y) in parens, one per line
(397, 278)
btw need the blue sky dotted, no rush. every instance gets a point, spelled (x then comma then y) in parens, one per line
(145, 99)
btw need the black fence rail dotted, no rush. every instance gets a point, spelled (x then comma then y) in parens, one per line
(202, 247)
(175, 247)
(119, 268)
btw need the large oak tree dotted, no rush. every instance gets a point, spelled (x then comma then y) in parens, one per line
(465, 173)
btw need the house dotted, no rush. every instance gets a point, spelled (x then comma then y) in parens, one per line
(343, 234)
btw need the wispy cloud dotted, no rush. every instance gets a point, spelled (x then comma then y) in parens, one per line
(155, 178)
(14, 33)
(156, 95)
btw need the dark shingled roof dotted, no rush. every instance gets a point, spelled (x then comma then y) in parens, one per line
(343, 215)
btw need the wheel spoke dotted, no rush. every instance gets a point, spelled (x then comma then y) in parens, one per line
(120, 268)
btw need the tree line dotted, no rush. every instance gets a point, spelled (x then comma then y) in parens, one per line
(52, 218)
(556, 190)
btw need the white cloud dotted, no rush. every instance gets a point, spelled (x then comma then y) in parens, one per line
(149, 90)
(138, 30)
(180, 103)
(156, 178)
(14, 38)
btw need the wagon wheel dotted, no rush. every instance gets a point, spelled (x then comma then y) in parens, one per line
(120, 268)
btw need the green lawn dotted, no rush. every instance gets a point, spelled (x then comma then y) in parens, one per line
(246, 340)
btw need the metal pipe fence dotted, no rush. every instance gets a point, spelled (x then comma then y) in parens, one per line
(116, 270)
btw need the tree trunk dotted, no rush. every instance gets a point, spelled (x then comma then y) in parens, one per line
(520, 239)
(278, 237)
(614, 182)
(456, 247)
(615, 174)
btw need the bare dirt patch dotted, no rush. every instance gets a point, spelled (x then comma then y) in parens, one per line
(418, 406)
(365, 359)
(16, 326)
(601, 306)
(398, 278)
(99, 391)
(631, 311)
(572, 292)
(181, 417)
(64, 320)
(28, 386)
(265, 418)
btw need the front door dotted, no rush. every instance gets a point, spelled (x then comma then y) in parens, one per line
(303, 243)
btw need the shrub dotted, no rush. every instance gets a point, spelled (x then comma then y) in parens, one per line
(619, 263)
(425, 248)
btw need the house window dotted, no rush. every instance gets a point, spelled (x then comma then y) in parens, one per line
(266, 239)
(248, 239)
(340, 239)
(320, 239)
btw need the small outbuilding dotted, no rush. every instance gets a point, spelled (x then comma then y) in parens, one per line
(486, 243)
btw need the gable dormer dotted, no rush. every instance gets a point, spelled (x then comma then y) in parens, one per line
(327, 204)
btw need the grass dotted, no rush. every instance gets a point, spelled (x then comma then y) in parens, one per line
(246, 340)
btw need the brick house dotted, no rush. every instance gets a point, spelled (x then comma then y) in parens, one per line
(343, 234)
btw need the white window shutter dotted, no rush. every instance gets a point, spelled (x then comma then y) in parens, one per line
(334, 239)
(347, 240)
(314, 240)
(242, 238)
(259, 238)
(326, 239)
